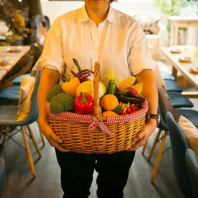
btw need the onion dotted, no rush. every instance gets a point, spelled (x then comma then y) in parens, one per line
(85, 75)
(82, 75)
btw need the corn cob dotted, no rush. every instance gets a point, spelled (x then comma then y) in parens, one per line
(126, 84)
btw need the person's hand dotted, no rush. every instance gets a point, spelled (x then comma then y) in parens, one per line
(142, 137)
(52, 138)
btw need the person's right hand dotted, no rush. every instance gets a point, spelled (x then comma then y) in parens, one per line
(52, 138)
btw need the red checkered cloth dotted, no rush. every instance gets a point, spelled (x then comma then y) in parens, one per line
(82, 118)
(95, 123)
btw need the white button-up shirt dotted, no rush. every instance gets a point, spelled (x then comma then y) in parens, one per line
(118, 42)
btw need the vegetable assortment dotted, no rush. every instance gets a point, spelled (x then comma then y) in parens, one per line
(76, 94)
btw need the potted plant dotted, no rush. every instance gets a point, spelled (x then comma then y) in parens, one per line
(15, 22)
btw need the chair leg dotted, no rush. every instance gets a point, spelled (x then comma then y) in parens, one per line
(144, 148)
(28, 152)
(1, 130)
(41, 134)
(34, 141)
(6, 131)
(154, 144)
(159, 156)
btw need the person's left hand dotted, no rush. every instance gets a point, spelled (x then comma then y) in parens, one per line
(142, 137)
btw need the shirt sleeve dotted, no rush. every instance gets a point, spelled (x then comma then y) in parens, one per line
(52, 55)
(140, 55)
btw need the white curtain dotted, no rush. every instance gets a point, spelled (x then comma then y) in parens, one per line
(192, 36)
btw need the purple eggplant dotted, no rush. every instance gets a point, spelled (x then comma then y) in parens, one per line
(82, 75)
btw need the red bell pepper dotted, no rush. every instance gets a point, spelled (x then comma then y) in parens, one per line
(83, 103)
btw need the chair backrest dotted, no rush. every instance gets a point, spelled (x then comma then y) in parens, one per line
(33, 115)
(179, 146)
(39, 32)
(162, 125)
(2, 173)
(192, 164)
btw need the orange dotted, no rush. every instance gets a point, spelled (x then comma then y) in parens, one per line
(109, 113)
(109, 102)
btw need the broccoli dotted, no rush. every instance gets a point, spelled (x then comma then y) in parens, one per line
(54, 91)
(117, 109)
(65, 100)
(56, 107)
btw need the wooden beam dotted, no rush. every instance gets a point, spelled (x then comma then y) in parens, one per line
(190, 94)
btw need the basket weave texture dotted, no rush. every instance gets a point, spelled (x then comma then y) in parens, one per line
(95, 134)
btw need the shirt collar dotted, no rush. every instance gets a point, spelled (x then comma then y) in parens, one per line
(110, 16)
(83, 16)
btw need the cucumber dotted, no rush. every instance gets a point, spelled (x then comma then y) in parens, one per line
(111, 87)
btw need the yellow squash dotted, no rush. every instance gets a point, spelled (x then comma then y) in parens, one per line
(71, 86)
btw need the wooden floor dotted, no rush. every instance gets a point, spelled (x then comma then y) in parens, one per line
(19, 182)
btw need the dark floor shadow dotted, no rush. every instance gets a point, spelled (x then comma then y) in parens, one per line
(42, 147)
(37, 160)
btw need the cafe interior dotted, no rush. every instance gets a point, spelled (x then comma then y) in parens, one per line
(166, 166)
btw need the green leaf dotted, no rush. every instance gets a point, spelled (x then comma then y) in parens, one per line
(117, 109)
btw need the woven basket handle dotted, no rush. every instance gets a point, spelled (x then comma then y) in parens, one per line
(96, 89)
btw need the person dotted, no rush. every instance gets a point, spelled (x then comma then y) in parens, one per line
(96, 33)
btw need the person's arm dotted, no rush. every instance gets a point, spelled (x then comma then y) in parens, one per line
(52, 64)
(142, 66)
(49, 79)
(149, 91)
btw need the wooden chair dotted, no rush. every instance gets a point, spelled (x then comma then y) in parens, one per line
(10, 96)
(8, 117)
(2, 173)
(192, 165)
(179, 145)
(190, 114)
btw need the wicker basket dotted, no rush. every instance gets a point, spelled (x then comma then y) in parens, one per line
(94, 133)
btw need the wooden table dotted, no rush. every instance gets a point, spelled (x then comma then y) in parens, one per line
(14, 57)
(180, 22)
(183, 67)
